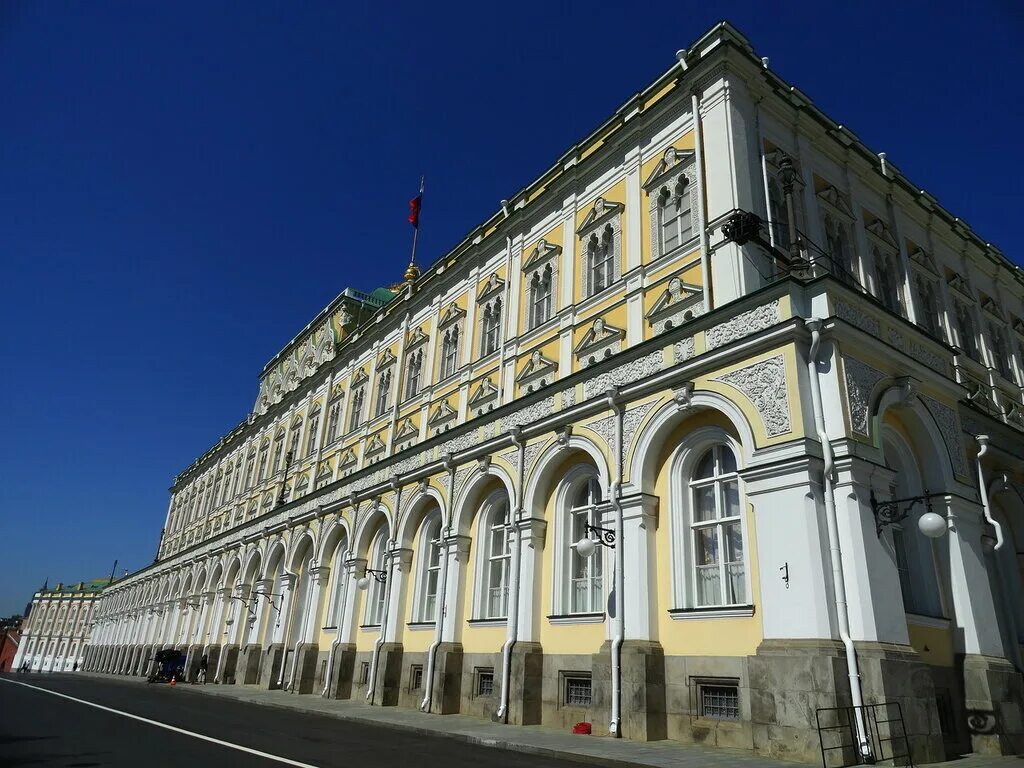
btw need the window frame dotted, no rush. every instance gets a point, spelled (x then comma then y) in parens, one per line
(486, 529)
(377, 593)
(561, 598)
(426, 546)
(449, 363)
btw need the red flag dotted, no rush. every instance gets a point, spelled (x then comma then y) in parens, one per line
(414, 210)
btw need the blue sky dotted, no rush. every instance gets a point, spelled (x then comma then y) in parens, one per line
(184, 185)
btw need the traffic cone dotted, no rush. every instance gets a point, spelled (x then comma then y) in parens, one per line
(172, 681)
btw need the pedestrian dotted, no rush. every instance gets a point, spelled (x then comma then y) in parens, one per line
(75, 668)
(203, 663)
(24, 667)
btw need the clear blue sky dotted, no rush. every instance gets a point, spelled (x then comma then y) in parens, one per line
(184, 185)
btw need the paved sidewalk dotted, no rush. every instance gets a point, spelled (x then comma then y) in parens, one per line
(537, 740)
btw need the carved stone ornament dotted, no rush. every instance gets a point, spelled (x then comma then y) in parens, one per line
(634, 370)
(744, 324)
(861, 380)
(601, 341)
(631, 421)
(684, 350)
(949, 426)
(857, 317)
(764, 384)
(678, 304)
(682, 395)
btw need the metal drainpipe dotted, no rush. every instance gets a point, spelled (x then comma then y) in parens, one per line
(982, 450)
(619, 627)
(439, 606)
(388, 583)
(835, 550)
(340, 611)
(287, 620)
(702, 216)
(513, 613)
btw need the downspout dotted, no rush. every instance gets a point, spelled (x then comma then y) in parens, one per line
(702, 215)
(339, 611)
(287, 619)
(982, 450)
(388, 582)
(619, 626)
(440, 607)
(506, 313)
(835, 550)
(513, 613)
(302, 626)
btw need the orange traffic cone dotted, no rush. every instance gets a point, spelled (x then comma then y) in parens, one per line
(172, 681)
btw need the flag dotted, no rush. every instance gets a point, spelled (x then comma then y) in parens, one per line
(414, 210)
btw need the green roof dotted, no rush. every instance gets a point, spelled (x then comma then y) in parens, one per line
(91, 586)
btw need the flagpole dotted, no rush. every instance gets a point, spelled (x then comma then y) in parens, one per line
(412, 271)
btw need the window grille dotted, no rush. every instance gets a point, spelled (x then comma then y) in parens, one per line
(364, 673)
(721, 702)
(485, 682)
(578, 692)
(416, 677)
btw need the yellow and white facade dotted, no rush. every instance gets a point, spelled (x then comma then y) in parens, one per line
(56, 631)
(399, 518)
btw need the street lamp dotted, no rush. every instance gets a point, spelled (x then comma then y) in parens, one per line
(931, 524)
(364, 582)
(586, 547)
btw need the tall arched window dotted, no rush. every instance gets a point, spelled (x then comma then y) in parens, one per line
(584, 583)
(778, 215)
(839, 247)
(494, 558)
(293, 444)
(887, 275)
(414, 374)
(428, 556)
(383, 391)
(250, 468)
(377, 592)
(715, 530)
(491, 327)
(968, 334)
(676, 223)
(355, 418)
(600, 253)
(275, 462)
(337, 585)
(929, 316)
(333, 415)
(540, 296)
(314, 427)
(450, 352)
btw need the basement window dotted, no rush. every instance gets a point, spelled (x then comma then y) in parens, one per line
(719, 699)
(577, 690)
(485, 682)
(416, 677)
(364, 673)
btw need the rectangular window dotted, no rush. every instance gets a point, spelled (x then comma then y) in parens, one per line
(364, 673)
(416, 677)
(485, 682)
(719, 700)
(450, 353)
(577, 690)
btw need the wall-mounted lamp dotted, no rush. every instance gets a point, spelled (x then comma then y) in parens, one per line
(586, 547)
(931, 524)
(380, 576)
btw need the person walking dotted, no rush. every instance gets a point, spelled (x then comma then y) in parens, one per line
(203, 664)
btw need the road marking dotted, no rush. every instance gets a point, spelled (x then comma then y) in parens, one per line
(194, 735)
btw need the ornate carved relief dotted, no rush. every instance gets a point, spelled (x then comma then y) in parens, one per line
(857, 317)
(744, 324)
(632, 420)
(764, 384)
(861, 380)
(949, 426)
(634, 370)
(684, 350)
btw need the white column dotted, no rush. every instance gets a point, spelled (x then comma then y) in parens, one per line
(456, 550)
(531, 558)
(639, 523)
(348, 621)
(400, 564)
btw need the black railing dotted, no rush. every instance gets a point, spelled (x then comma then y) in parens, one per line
(885, 735)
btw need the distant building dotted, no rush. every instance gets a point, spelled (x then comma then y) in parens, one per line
(10, 640)
(55, 630)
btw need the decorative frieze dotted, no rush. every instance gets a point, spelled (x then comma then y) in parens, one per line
(743, 324)
(857, 317)
(949, 425)
(861, 380)
(634, 370)
(764, 384)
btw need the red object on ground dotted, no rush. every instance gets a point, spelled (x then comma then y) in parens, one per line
(583, 728)
(172, 680)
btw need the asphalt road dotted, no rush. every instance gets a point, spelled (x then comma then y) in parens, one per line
(38, 728)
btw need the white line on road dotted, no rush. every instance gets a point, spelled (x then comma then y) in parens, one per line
(228, 744)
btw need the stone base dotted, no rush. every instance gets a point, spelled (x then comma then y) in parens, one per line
(212, 657)
(270, 667)
(994, 699)
(526, 679)
(446, 693)
(389, 675)
(228, 665)
(342, 670)
(305, 668)
(145, 661)
(250, 659)
(192, 662)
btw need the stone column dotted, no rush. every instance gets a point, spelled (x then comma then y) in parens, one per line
(307, 650)
(277, 628)
(526, 674)
(389, 662)
(343, 671)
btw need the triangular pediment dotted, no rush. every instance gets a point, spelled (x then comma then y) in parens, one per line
(677, 295)
(452, 313)
(922, 258)
(1018, 325)
(600, 335)
(441, 413)
(486, 391)
(347, 458)
(360, 377)
(407, 429)
(416, 337)
(535, 367)
(323, 469)
(599, 212)
(671, 161)
(541, 254)
(493, 287)
(836, 200)
(388, 358)
(958, 283)
(989, 305)
(880, 232)
(376, 445)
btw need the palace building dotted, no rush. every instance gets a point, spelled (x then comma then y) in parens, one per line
(716, 424)
(55, 632)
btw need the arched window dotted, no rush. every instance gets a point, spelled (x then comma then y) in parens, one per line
(491, 328)
(584, 584)
(333, 416)
(494, 558)
(250, 467)
(1001, 352)
(888, 279)
(377, 592)
(540, 296)
(293, 444)
(714, 530)
(314, 427)
(968, 335)
(275, 462)
(929, 316)
(450, 352)
(839, 247)
(383, 390)
(355, 418)
(777, 214)
(674, 215)
(600, 255)
(428, 557)
(414, 374)
(337, 597)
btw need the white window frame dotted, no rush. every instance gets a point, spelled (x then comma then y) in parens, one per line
(682, 466)
(428, 544)
(561, 598)
(383, 393)
(450, 352)
(355, 416)
(377, 593)
(486, 529)
(669, 194)
(541, 284)
(333, 420)
(490, 327)
(314, 427)
(414, 374)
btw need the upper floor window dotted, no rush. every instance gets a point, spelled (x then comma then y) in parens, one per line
(583, 576)
(414, 374)
(491, 327)
(293, 444)
(674, 215)
(355, 417)
(377, 592)
(1001, 351)
(278, 452)
(495, 557)
(250, 466)
(887, 279)
(777, 214)
(968, 334)
(600, 235)
(600, 257)
(449, 352)
(839, 245)
(929, 315)
(540, 296)
(429, 556)
(314, 427)
(714, 545)
(383, 392)
(333, 416)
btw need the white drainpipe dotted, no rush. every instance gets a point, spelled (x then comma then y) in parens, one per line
(983, 449)
(513, 588)
(388, 583)
(303, 624)
(619, 626)
(440, 609)
(835, 550)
